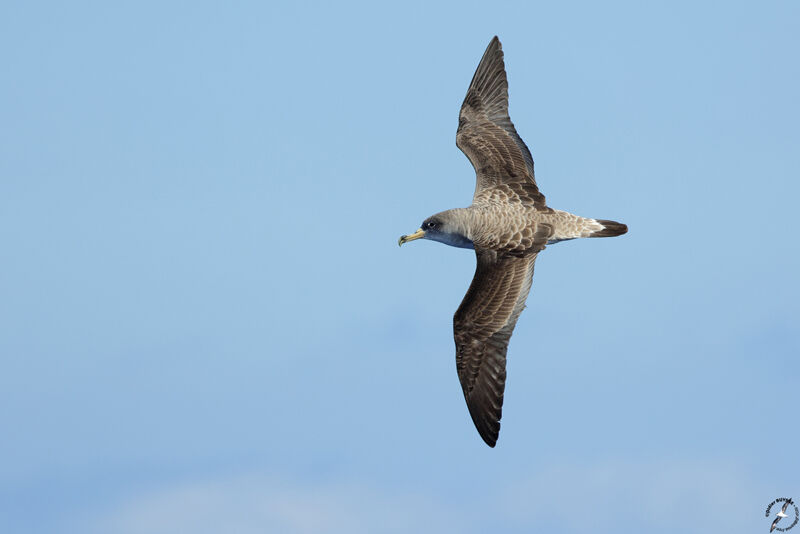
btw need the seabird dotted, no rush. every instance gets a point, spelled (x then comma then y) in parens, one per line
(781, 514)
(508, 224)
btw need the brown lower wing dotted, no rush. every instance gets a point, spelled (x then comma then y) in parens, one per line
(482, 327)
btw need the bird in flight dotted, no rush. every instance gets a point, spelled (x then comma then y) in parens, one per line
(507, 225)
(781, 514)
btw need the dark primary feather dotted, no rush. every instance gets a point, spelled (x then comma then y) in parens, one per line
(482, 328)
(485, 131)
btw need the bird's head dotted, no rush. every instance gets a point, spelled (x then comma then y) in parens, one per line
(447, 227)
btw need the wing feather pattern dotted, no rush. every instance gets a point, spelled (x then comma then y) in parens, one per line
(482, 328)
(485, 131)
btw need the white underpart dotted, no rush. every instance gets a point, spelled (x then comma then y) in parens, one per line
(592, 227)
(570, 226)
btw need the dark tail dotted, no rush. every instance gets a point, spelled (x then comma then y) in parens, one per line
(610, 229)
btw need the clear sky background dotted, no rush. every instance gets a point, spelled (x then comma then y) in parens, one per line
(206, 324)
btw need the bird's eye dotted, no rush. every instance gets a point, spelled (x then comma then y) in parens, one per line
(430, 224)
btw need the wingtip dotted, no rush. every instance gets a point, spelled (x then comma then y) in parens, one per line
(489, 431)
(488, 436)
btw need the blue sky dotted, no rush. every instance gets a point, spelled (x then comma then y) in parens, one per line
(207, 324)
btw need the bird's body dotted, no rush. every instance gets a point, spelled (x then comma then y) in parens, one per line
(508, 224)
(511, 226)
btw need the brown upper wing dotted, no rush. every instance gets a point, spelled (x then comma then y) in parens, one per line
(485, 131)
(482, 327)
